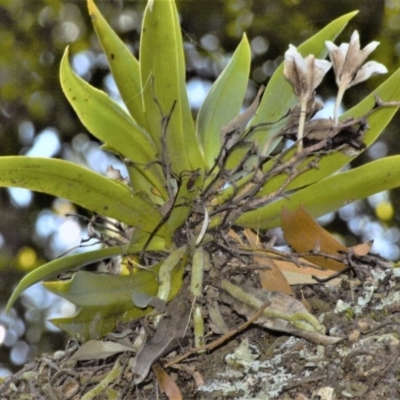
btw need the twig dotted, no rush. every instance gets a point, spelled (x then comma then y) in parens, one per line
(222, 339)
(329, 278)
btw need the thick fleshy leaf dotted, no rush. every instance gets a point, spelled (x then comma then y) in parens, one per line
(104, 118)
(95, 322)
(387, 91)
(88, 289)
(331, 193)
(86, 188)
(123, 64)
(108, 122)
(166, 272)
(163, 76)
(59, 266)
(68, 263)
(223, 101)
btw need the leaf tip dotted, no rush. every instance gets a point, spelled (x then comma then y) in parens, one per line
(93, 11)
(66, 53)
(91, 7)
(351, 14)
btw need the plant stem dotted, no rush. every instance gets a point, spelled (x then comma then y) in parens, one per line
(302, 120)
(196, 287)
(338, 102)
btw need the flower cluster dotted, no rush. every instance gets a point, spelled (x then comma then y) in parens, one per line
(348, 62)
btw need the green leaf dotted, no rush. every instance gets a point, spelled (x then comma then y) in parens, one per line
(86, 188)
(331, 193)
(108, 122)
(167, 284)
(377, 122)
(224, 101)
(68, 263)
(279, 96)
(88, 289)
(95, 322)
(59, 266)
(162, 68)
(124, 66)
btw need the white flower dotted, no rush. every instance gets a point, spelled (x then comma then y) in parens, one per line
(348, 60)
(305, 74)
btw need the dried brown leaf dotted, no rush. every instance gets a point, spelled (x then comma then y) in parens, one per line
(166, 383)
(363, 249)
(271, 279)
(304, 234)
(235, 236)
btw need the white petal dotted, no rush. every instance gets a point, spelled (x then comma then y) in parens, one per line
(344, 47)
(300, 62)
(323, 65)
(291, 51)
(295, 68)
(367, 70)
(369, 48)
(289, 64)
(331, 46)
(355, 39)
(337, 56)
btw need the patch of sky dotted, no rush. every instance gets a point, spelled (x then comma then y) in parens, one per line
(197, 91)
(83, 62)
(20, 197)
(46, 144)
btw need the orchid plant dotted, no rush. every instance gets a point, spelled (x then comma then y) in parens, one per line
(190, 181)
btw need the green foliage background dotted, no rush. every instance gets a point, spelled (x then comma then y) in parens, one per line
(33, 35)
